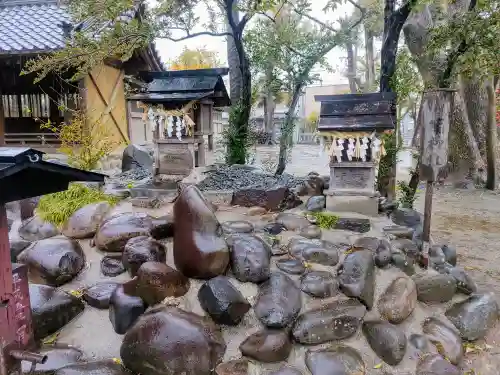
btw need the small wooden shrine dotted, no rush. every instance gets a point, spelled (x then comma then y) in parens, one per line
(178, 108)
(352, 125)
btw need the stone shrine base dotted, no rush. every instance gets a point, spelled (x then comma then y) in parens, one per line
(352, 203)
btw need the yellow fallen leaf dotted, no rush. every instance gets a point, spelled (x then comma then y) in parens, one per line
(307, 265)
(77, 293)
(52, 339)
(377, 366)
(471, 268)
(118, 361)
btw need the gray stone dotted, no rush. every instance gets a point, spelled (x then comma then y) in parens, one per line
(278, 302)
(250, 258)
(359, 225)
(292, 266)
(357, 276)
(406, 217)
(315, 251)
(136, 157)
(387, 341)
(336, 320)
(475, 316)
(292, 221)
(433, 287)
(319, 284)
(434, 364)
(398, 301)
(445, 338)
(312, 232)
(316, 203)
(267, 346)
(237, 226)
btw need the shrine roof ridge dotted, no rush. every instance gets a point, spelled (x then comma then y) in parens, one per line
(212, 72)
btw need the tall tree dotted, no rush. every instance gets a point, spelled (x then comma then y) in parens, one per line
(199, 58)
(297, 47)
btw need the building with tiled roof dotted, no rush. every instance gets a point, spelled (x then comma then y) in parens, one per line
(30, 28)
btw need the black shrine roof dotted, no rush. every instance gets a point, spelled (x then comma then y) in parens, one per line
(357, 112)
(184, 86)
(23, 174)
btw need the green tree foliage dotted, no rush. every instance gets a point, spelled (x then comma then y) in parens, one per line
(295, 45)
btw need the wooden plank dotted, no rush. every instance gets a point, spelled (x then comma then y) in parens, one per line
(436, 111)
(108, 106)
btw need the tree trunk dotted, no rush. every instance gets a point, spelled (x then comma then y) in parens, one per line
(491, 138)
(287, 129)
(233, 61)
(270, 105)
(476, 102)
(369, 60)
(351, 67)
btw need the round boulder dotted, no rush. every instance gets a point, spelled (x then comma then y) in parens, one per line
(168, 340)
(35, 229)
(85, 221)
(115, 231)
(399, 300)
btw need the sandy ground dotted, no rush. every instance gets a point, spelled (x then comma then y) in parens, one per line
(467, 219)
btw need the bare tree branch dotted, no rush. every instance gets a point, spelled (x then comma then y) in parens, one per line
(189, 36)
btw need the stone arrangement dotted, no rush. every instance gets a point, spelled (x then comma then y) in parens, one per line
(325, 302)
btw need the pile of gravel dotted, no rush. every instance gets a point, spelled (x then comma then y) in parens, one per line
(224, 177)
(133, 176)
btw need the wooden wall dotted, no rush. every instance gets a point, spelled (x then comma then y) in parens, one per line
(104, 95)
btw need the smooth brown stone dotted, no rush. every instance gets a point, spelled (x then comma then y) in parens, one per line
(98, 295)
(53, 261)
(157, 281)
(267, 346)
(398, 301)
(200, 250)
(115, 231)
(168, 340)
(85, 221)
(250, 258)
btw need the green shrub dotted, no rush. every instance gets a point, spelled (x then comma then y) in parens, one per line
(324, 220)
(57, 208)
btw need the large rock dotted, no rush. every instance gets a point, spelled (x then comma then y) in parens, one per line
(200, 251)
(465, 284)
(433, 287)
(35, 229)
(312, 232)
(272, 199)
(142, 249)
(292, 221)
(337, 320)
(319, 284)
(115, 231)
(54, 260)
(356, 276)
(124, 310)
(98, 295)
(167, 340)
(316, 251)
(335, 360)
(278, 302)
(406, 217)
(85, 221)
(434, 364)
(403, 262)
(475, 316)
(51, 309)
(267, 346)
(445, 338)
(398, 301)
(104, 367)
(136, 157)
(111, 265)
(156, 281)
(387, 341)
(250, 258)
(222, 301)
